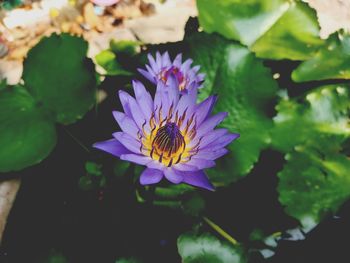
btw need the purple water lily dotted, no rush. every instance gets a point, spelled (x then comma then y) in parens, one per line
(161, 68)
(172, 135)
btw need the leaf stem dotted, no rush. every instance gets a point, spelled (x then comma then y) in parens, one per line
(220, 231)
(75, 139)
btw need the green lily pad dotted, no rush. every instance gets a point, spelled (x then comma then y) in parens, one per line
(27, 133)
(125, 47)
(331, 62)
(315, 181)
(207, 248)
(59, 75)
(277, 29)
(108, 61)
(323, 112)
(245, 90)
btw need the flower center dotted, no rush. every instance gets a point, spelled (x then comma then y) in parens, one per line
(168, 143)
(165, 73)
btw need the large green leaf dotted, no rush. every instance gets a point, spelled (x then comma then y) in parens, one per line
(314, 181)
(323, 112)
(331, 62)
(207, 248)
(245, 90)
(27, 133)
(274, 29)
(108, 61)
(60, 76)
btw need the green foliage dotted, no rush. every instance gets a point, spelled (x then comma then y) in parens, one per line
(59, 87)
(207, 248)
(93, 168)
(332, 61)
(120, 167)
(58, 75)
(125, 47)
(323, 112)
(315, 181)
(94, 179)
(27, 132)
(274, 29)
(108, 61)
(245, 89)
(10, 4)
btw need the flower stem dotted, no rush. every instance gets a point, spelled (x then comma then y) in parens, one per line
(220, 231)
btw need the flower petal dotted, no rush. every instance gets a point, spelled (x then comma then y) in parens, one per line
(173, 176)
(111, 146)
(204, 109)
(129, 142)
(151, 176)
(124, 100)
(185, 167)
(186, 65)
(201, 163)
(210, 123)
(159, 60)
(146, 74)
(166, 59)
(153, 63)
(137, 113)
(221, 142)
(136, 158)
(126, 124)
(211, 155)
(178, 61)
(156, 165)
(198, 179)
(187, 101)
(209, 137)
(143, 99)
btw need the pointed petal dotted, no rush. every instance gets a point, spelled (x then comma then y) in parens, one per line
(151, 176)
(111, 146)
(210, 123)
(147, 75)
(152, 63)
(198, 179)
(187, 101)
(124, 99)
(204, 109)
(159, 60)
(166, 59)
(178, 61)
(209, 137)
(221, 142)
(186, 65)
(143, 98)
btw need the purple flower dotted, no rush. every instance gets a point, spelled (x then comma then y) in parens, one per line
(172, 135)
(161, 68)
